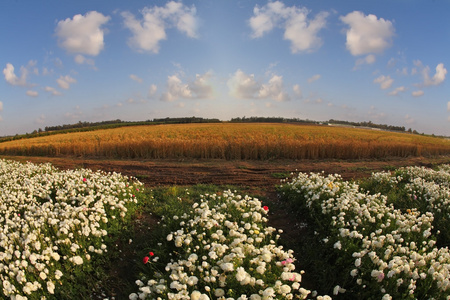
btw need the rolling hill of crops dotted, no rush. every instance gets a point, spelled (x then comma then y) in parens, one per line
(233, 141)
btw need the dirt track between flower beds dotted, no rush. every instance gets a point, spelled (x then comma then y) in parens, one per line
(262, 175)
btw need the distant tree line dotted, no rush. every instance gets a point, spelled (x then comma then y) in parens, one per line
(271, 120)
(185, 120)
(90, 126)
(371, 125)
(80, 125)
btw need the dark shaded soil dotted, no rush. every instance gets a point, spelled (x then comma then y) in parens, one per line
(249, 173)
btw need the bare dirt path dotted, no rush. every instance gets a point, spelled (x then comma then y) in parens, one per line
(249, 173)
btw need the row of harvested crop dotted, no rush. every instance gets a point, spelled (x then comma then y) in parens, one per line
(231, 141)
(231, 150)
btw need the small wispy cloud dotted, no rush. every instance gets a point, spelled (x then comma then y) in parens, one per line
(384, 81)
(314, 78)
(52, 90)
(136, 78)
(64, 82)
(418, 93)
(397, 90)
(32, 93)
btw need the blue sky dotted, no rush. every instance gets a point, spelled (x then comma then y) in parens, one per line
(69, 61)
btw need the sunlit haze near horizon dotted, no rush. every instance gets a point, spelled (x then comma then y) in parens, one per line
(68, 61)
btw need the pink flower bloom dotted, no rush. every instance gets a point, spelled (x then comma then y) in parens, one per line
(84, 179)
(145, 260)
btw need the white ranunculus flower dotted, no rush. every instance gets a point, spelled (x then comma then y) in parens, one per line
(50, 287)
(241, 274)
(77, 260)
(219, 292)
(227, 267)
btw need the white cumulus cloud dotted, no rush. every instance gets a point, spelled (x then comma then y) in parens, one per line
(176, 89)
(297, 91)
(437, 78)
(152, 90)
(12, 78)
(429, 80)
(151, 29)
(384, 81)
(82, 34)
(298, 29)
(244, 86)
(273, 89)
(367, 34)
(200, 88)
(65, 81)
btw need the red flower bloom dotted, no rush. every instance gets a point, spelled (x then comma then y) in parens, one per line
(266, 208)
(151, 253)
(84, 179)
(145, 260)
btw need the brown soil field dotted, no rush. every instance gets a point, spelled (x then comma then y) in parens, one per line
(256, 175)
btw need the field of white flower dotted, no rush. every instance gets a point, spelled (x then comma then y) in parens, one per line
(390, 233)
(56, 225)
(388, 237)
(222, 249)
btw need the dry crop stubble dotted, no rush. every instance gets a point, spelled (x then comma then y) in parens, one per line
(231, 141)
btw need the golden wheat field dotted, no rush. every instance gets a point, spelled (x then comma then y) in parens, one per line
(259, 141)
